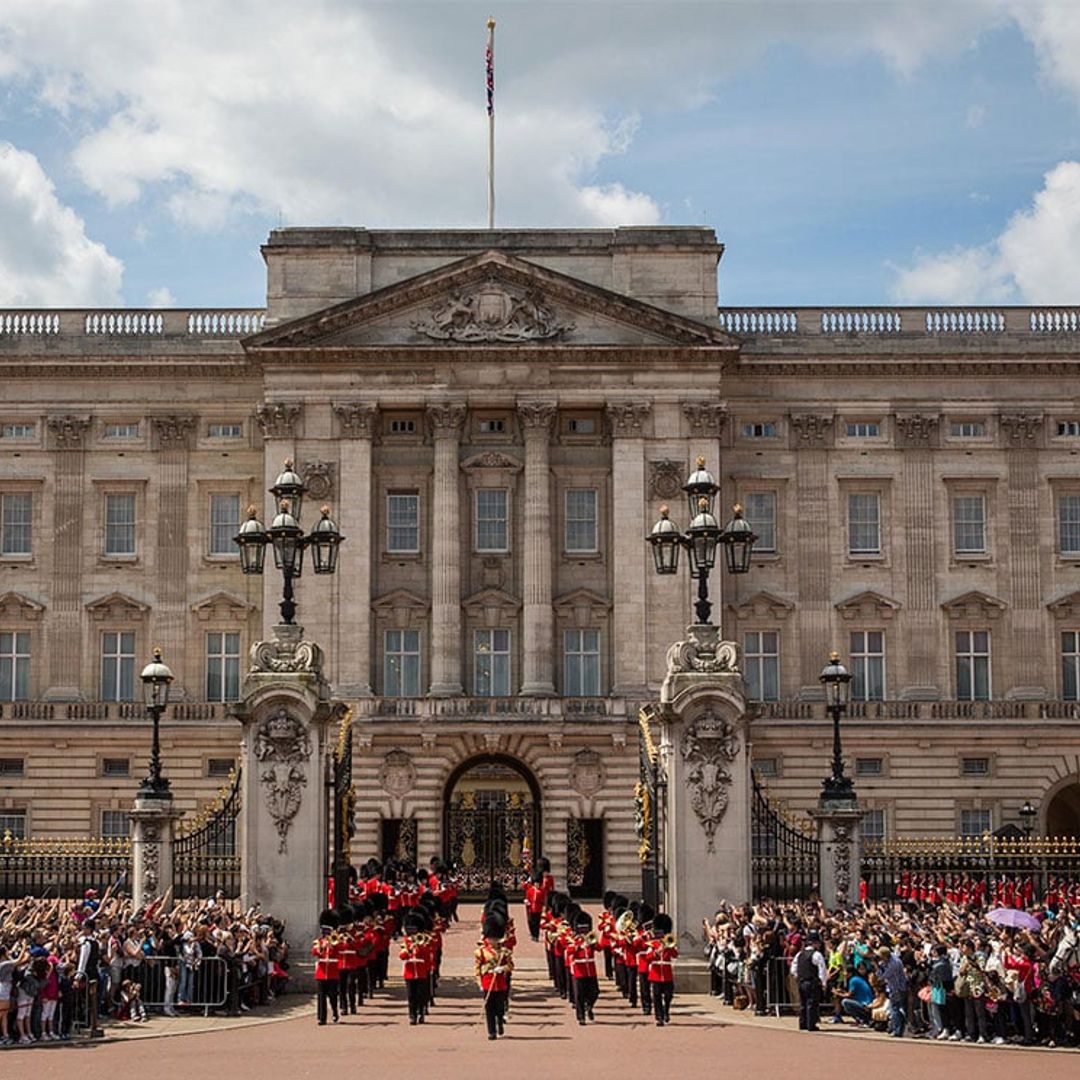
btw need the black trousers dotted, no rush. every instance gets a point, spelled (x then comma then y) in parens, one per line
(533, 919)
(560, 976)
(608, 965)
(586, 991)
(494, 1008)
(620, 977)
(417, 994)
(646, 992)
(631, 985)
(662, 993)
(328, 996)
(809, 1004)
(347, 991)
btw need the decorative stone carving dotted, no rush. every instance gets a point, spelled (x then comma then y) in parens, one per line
(68, 431)
(1021, 428)
(357, 419)
(282, 747)
(761, 605)
(709, 745)
(492, 741)
(537, 416)
(287, 652)
(707, 419)
(173, 432)
(974, 604)
(492, 459)
(555, 740)
(117, 607)
(14, 606)
(446, 417)
(811, 429)
(868, 604)
(917, 429)
(277, 419)
(151, 858)
(1065, 607)
(703, 652)
(587, 773)
(627, 418)
(397, 774)
(665, 478)
(319, 478)
(842, 862)
(492, 313)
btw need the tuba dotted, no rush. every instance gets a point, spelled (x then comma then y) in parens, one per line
(625, 924)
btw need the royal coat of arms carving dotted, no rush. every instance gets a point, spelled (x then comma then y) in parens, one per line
(492, 314)
(282, 747)
(709, 746)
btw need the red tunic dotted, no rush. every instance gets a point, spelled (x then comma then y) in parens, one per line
(661, 962)
(415, 962)
(327, 955)
(493, 964)
(580, 958)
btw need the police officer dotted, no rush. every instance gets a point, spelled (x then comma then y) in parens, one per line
(810, 972)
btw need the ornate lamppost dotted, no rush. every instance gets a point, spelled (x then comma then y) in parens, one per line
(288, 540)
(836, 679)
(156, 679)
(701, 539)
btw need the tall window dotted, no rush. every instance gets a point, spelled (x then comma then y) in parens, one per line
(403, 522)
(581, 663)
(491, 663)
(118, 666)
(1070, 665)
(492, 519)
(580, 526)
(864, 524)
(973, 665)
(761, 665)
(1069, 525)
(760, 509)
(969, 524)
(223, 666)
(401, 663)
(120, 524)
(16, 515)
(873, 826)
(14, 666)
(867, 665)
(975, 822)
(115, 824)
(14, 822)
(224, 524)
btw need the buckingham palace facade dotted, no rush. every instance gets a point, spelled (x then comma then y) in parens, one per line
(495, 419)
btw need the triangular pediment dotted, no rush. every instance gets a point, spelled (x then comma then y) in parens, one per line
(117, 606)
(14, 605)
(491, 299)
(761, 605)
(491, 606)
(1066, 607)
(975, 604)
(582, 607)
(222, 605)
(868, 604)
(400, 598)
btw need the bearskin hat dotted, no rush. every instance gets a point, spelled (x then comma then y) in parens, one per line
(662, 923)
(328, 920)
(361, 910)
(544, 864)
(536, 877)
(345, 914)
(413, 922)
(496, 891)
(494, 926)
(609, 899)
(645, 913)
(572, 912)
(378, 902)
(583, 922)
(422, 875)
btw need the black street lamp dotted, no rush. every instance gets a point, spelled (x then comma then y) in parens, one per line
(701, 538)
(836, 679)
(156, 678)
(1027, 816)
(288, 540)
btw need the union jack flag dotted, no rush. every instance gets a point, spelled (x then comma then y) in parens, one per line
(489, 59)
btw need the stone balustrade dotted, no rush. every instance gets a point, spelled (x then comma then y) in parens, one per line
(925, 711)
(189, 324)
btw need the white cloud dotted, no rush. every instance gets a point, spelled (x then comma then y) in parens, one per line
(46, 258)
(1035, 259)
(161, 297)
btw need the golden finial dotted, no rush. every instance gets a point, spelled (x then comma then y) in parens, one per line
(157, 653)
(834, 657)
(736, 509)
(288, 463)
(664, 510)
(324, 510)
(701, 461)
(703, 504)
(491, 22)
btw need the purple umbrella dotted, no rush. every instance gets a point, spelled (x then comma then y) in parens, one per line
(1018, 920)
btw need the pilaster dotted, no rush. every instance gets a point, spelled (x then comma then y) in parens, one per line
(152, 823)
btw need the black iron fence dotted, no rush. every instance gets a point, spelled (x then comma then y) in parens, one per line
(205, 855)
(64, 867)
(784, 857)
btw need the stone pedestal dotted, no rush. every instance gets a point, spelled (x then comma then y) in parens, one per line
(838, 831)
(703, 747)
(152, 821)
(285, 710)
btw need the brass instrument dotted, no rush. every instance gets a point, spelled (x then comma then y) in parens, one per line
(625, 923)
(590, 938)
(668, 941)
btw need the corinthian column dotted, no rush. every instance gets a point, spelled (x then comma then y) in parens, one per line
(446, 420)
(536, 419)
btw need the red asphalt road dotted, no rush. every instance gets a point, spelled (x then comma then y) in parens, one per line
(542, 1040)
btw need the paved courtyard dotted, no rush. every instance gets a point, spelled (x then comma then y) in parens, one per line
(542, 1040)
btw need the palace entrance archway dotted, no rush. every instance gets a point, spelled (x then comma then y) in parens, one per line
(1063, 812)
(492, 822)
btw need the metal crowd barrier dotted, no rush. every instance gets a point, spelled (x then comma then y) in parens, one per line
(207, 986)
(779, 994)
(84, 1011)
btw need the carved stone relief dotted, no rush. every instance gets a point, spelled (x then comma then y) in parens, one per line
(627, 418)
(666, 478)
(357, 419)
(587, 773)
(707, 418)
(397, 774)
(173, 432)
(319, 478)
(811, 429)
(1021, 428)
(917, 429)
(446, 418)
(277, 419)
(282, 747)
(68, 431)
(842, 862)
(151, 858)
(492, 313)
(709, 745)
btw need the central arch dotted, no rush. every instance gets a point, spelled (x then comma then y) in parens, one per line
(491, 822)
(1063, 811)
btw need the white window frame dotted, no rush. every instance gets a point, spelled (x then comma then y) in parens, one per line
(968, 429)
(112, 535)
(863, 657)
(10, 529)
(18, 430)
(582, 674)
(1068, 429)
(16, 821)
(113, 816)
(224, 430)
(870, 522)
(122, 661)
(489, 545)
(492, 673)
(414, 526)
(572, 521)
(863, 429)
(222, 530)
(222, 652)
(1069, 641)
(873, 836)
(760, 429)
(16, 649)
(763, 523)
(1068, 519)
(970, 499)
(987, 822)
(967, 651)
(875, 766)
(757, 660)
(405, 649)
(120, 431)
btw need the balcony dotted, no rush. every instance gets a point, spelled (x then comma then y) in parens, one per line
(127, 323)
(929, 712)
(573, 710)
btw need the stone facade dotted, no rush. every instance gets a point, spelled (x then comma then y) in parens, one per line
(495, 419)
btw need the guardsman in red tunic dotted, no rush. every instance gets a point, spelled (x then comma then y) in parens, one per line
(493, 963)
(349, 968)
(604, 928)
(581, 965)
(534, 903)
(547, 879)
(415, 970)
(327, 952)
(661, 954)
(642, 941)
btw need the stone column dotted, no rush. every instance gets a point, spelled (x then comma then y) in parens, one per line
(626, 420)
(704, 751)
(353, 579)
(446, 420)
(171, 554)
(838, 872)
(64, 620)
(1023, 436)
(536, 419)
(152, 821)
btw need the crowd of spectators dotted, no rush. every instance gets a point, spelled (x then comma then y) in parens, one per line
(64, 966)
(945, 971)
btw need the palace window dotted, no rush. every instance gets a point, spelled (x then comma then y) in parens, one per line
(121, 431)
(115, 824)
(1070, 665)
(401, 426)
(403, 522)
(860, 429)
(491, 663)
(218, 768)
(867, 651)
(864, 524)
(492, 519)
(491, 425)
(14, 665)
(872, 826)
(975, 766)
(116, 766)
(224, 524)
(224, 431)
(18, 431)
(581, 663)
(759, 430)
(1069, 525)
(869, 766)
(120, 523)
(223, 666)
(1068, 428)
(13, 822)
(12, 766)
(975, 822)
(766, 767)
(967, 429)
(118, 665)
(972, 665)
(969, 524)
(580, 524)
(401, 663)
(16, 523)
(760, 512)
(761, 665)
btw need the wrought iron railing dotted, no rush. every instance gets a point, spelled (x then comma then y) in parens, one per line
(64, 867)
(784, 853)
(205, 855)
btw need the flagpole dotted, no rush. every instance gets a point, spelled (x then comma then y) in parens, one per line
(491, 120)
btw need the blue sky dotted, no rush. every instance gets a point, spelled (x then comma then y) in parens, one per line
(846, 152)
